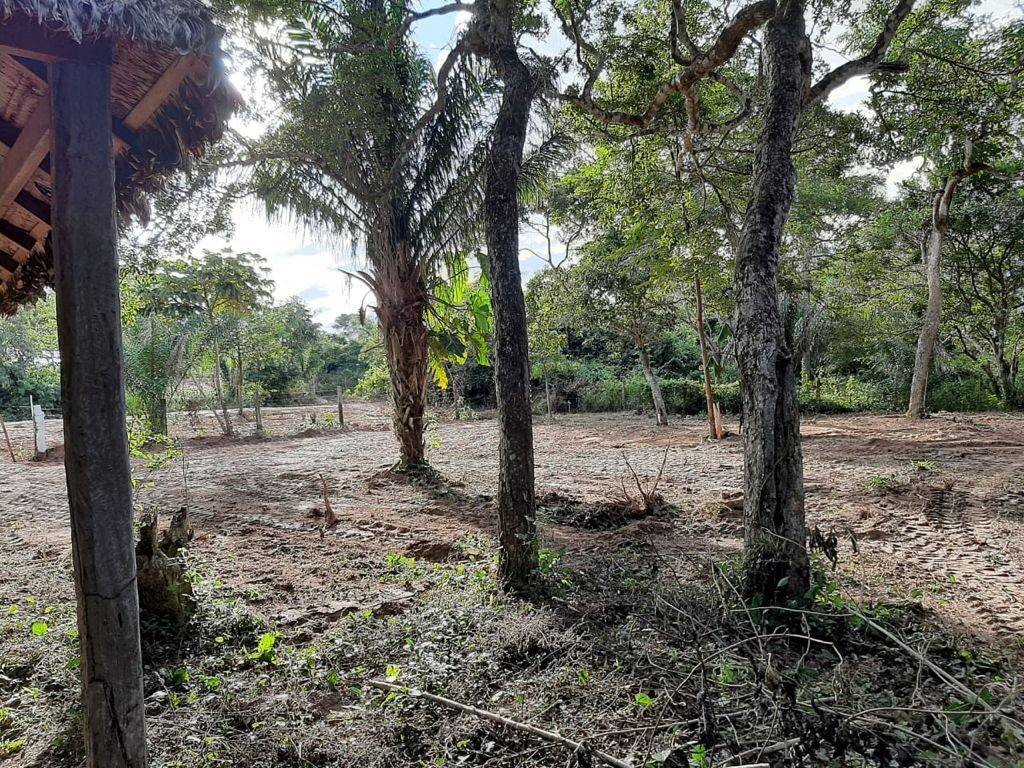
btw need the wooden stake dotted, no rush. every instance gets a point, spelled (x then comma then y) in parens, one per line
(7, 439)
(95, 440)
(257, 406)
(714, 427)
(341, 407)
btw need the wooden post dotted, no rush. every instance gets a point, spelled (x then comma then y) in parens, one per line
(714, 427)
(95, 438)
(341, 407)
(257, 406)
(7, 439)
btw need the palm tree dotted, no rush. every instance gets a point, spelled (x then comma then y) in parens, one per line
(374, 147)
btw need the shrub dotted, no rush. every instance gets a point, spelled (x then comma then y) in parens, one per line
(375, 383)
(962, 395)
(684, 397)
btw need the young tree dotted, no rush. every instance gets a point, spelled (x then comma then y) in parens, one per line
(625, 282)
(374, 147)
(220, 288)
(956, 110)
(985, 282)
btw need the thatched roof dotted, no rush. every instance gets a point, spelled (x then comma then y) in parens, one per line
(182, 25)
(169, 100)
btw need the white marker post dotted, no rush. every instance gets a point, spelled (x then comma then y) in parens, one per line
(39, 429)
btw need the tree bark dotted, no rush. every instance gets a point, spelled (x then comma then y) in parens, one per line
(932, 319)
(518, 557)
(705, 358)
(775, 534)
(402, 301)
(660, 412)
(222, 399)
(95, 437)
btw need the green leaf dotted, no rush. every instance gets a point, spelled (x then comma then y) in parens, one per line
(40, 628)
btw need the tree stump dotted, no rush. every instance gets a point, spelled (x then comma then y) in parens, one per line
(164, 587)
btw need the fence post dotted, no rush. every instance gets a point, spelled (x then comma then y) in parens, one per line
(7, 439)
(341, 407)
(257, 406)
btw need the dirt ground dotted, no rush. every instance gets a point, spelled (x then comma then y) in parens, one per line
(931, 511)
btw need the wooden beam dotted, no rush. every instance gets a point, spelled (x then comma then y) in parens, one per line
(167, 84)
(32, 204)
(24, 36)
(93, 401)
(36, 72)
(8, 262)
(31, 146)
(18, 236)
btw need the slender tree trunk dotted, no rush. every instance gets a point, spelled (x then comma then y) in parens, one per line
(547, 395)
(775, 534)
(401, 306)
(95, 439)
(932, 319)
(660, 412)
(709, 392)
(517, 561)
(222, 400)
(240, 374)
(930, 322)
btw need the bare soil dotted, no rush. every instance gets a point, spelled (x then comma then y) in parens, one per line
(935, 506)
(930, 512)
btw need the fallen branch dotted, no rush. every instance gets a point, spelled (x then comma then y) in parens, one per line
(496, 718)
(1014, 725)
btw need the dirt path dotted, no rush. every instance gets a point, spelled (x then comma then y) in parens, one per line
(932, 511)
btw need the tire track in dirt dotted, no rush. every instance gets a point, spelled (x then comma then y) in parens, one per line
(954, 535)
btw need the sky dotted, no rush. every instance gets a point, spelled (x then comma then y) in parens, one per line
(310, 267)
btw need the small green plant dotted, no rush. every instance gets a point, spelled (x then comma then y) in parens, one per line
(265, 650)
(392, 672)
(881, 483)
(925, 466)
(643, 701)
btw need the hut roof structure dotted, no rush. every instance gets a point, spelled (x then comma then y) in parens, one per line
(169, 99)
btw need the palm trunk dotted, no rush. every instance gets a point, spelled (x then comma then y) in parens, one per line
(660, 412)
(402, 302)
(775, 533)
(518, 554)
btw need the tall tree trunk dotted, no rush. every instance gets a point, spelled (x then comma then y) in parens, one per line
(660, 412)
(932, 318)
(547, 395)
(517, 561)
(402, 301)
(775, 534)
(95, 439)
(705, 360)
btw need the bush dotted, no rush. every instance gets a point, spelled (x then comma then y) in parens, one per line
(684, 397)
(846, 395)
(375, 383)
(962, 395)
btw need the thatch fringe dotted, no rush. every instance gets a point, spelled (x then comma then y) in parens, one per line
(185, 25)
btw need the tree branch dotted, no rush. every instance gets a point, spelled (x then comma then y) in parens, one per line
(724, 48)
(870, 62)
